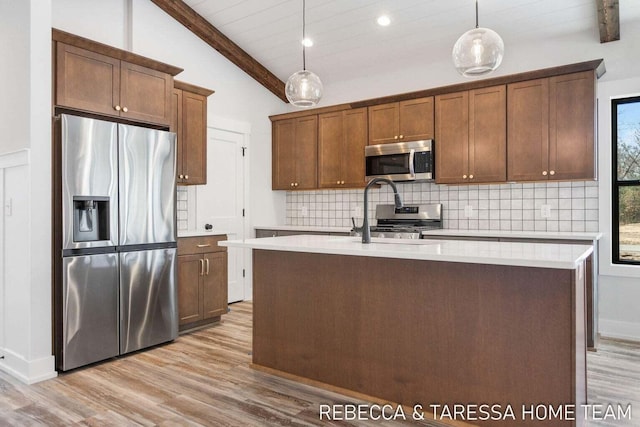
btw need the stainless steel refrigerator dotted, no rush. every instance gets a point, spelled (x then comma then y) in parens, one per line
(118, 239)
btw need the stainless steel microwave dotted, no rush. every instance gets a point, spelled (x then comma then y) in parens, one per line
(401, 161)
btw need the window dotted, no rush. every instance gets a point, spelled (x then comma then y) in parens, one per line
(626, 180)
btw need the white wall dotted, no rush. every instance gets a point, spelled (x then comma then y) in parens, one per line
(25, 160)
(619, 284)
(438, 70)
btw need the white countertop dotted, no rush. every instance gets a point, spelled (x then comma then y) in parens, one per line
(556, 235)
(197, 233)
(590, 236)
(317, 229)
(545, 255)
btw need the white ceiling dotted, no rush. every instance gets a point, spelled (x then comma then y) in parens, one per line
(347, 40)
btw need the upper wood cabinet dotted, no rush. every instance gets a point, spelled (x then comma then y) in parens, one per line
(342, 136)
(470, 136)
(551, 128)
(410, 120)
(190, 125)
(295, 153)
(97, 83)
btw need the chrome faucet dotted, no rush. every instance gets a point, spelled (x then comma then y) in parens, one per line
(366, 231)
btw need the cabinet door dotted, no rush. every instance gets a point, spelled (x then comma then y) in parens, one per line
(416, 119)
(283, 155)
(190, 270)
(528, 130)
(176, 126)
(145, 94)
(214, 285)
(331, 136)
(86, 80)
(194, 138)
(488, 134)
(571, 126)
(452, 138)
(355, 139)
(383, 123)
(306, 153)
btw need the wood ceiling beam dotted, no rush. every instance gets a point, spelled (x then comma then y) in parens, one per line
(202, 28)
(608, 20)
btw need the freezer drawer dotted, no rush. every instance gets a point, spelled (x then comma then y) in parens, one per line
(90, 309)
(148, 298)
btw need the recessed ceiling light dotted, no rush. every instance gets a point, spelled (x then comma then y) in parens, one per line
(383, 20)
(307, 42)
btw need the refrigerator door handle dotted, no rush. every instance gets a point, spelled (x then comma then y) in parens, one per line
(201, 267)
(207, 259)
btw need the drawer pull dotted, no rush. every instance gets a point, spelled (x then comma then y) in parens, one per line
(204, 246)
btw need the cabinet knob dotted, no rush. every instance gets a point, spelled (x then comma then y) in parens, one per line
(181, 176)
(186, 177)
(292, 184)
(464, 176)
(544, 173)
(296, 184)
(117, 108)
(125, 109)
(342, 182)
(470, 176)
(395, 137)
(338, 182)
(552, 172)
(401, 136)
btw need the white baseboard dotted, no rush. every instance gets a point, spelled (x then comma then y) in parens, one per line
(28, 371)
(619, 329)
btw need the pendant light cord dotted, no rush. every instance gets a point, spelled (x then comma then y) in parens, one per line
(476, 16)
(304, 59)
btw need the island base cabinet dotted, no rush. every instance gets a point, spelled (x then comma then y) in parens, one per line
(445, 333)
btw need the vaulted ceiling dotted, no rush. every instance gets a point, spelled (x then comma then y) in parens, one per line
(348, 42)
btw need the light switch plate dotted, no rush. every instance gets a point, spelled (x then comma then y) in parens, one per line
(304, 211)
(468, 211)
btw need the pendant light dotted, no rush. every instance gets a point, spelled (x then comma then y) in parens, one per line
(478, 51)
(304, 88)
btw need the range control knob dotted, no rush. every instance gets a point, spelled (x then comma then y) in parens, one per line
(208, 227)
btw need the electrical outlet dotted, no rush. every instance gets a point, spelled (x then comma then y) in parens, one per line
(468, 211)
(545, 211)
(304, 211)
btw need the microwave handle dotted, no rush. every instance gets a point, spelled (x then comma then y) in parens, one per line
(412, 169)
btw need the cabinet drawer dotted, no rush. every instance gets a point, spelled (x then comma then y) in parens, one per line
(200, 244)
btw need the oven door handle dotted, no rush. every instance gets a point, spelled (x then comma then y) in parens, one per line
(412, 169)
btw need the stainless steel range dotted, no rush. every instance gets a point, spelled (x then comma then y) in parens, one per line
(407, 222)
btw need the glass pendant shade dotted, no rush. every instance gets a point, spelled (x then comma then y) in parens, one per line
(478, 51)
(303, 89)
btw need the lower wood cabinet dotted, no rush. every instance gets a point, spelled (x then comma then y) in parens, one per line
(202, 280)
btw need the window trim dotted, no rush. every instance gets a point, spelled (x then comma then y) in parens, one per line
(616, 184)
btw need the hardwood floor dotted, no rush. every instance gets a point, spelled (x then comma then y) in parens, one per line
(204, 379)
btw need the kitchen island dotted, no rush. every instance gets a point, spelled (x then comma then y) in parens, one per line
(429, 322)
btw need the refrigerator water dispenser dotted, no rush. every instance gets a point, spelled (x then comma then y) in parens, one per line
(90, 218)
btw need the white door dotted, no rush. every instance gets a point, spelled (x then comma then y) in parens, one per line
(221, 202)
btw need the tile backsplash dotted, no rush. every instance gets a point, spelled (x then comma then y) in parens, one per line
(513, 206)
(181, 208)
